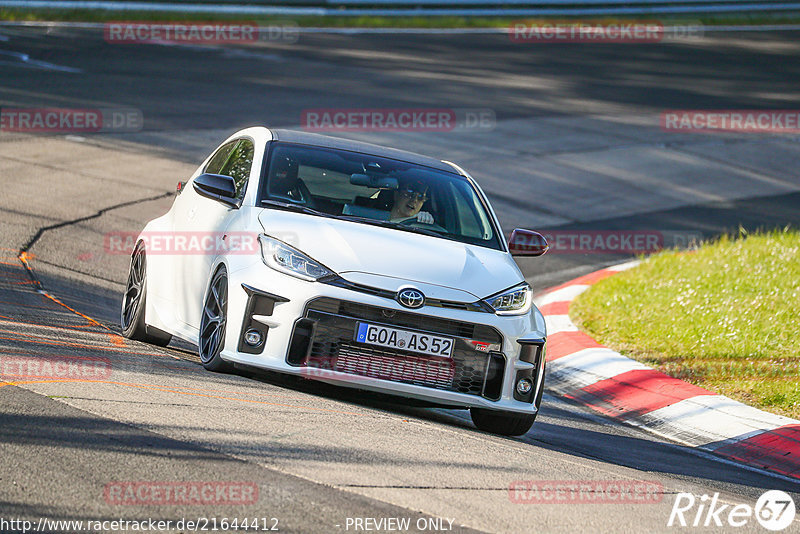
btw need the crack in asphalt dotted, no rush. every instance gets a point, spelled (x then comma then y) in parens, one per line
(32, 241)
(593, 491)
(408, 486)
(172, 404)
(23, 256)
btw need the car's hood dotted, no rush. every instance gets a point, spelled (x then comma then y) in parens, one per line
(388, 258)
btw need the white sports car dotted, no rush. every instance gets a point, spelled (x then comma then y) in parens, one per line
(345, 262)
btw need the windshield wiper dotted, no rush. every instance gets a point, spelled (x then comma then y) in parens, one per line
(418, 230)
(293, 207)
(375, 222)
(397, 226)
(367, 220)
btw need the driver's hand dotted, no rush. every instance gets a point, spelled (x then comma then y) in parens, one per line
(424, 217)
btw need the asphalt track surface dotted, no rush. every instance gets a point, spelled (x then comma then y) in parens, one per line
(576, 145)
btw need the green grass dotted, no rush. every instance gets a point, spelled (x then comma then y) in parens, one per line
(88, 15)
(725, 317)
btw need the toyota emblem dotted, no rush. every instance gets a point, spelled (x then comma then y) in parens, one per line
(411, 298)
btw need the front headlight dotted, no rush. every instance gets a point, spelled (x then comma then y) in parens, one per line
(514, 301)
(289, 260)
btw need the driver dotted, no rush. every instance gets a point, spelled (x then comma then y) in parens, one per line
(408, 200)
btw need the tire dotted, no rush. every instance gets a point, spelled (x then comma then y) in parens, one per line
(133, 304)
(502, 423)
(212, 324)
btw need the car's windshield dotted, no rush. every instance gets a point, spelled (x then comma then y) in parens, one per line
(380, 191)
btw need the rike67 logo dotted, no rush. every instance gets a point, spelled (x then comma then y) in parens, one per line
(774, 510)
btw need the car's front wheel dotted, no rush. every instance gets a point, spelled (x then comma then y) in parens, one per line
(503, 423)
(213, 323)
(133, 304)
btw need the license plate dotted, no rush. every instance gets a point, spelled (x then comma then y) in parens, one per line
(383, 336)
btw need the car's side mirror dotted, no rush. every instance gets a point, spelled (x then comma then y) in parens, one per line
(217, 187)
(527, 243)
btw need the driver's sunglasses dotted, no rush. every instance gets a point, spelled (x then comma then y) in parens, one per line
(416, 195)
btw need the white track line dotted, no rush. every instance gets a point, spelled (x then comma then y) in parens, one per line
(24, 60)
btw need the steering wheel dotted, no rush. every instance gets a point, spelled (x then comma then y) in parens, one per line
(305, 195)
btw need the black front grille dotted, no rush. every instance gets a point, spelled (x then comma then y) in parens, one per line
(409, 320)
(331, 346)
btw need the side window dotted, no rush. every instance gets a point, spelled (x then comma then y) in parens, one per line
(220, 158)
(238, 165)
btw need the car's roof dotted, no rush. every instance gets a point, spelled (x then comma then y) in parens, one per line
(307, 138)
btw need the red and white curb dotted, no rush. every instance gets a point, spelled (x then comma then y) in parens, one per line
(581, 369)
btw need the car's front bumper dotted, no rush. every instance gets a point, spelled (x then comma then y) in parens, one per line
(308, 330)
